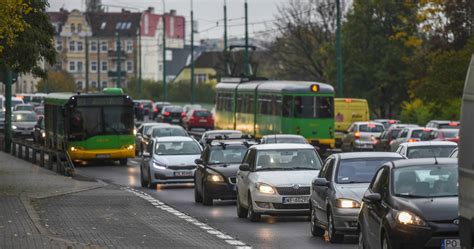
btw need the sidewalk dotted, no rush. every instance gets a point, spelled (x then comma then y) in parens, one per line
(40, 209)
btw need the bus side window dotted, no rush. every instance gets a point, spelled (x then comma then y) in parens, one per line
(287, 106)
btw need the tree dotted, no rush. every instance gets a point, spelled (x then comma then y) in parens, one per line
(34, 44)
(57, 81)
(11, 21)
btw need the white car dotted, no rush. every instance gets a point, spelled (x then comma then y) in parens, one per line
(276, 179)
(427, 149)
(169, 160)
(410, 135)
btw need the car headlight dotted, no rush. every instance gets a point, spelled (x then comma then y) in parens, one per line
(129, 147)
(265, 188)
(74, 149)
(159, 165)
(135, 131)
(14, 127)
(43, 134)
(407, 218)
(347, 203)
(215, 178)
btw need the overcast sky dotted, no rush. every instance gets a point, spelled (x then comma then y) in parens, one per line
(206, 12)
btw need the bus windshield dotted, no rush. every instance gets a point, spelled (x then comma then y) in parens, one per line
(86, 122)
(314, 107)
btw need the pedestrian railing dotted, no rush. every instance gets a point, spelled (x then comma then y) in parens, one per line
(57, 161)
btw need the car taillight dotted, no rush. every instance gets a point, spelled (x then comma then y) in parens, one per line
(166, 113)
(183, 114)
(411, 140)
(155, 110)
(357, 135)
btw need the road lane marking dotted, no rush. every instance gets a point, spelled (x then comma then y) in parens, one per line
(158, 204)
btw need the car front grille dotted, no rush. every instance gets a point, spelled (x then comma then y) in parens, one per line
(290, 206)
(233, 180)
(293, 191)
(184, 167)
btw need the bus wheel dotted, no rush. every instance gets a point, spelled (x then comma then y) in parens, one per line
(123, 161)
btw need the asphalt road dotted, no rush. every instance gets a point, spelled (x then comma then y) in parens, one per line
(271, 232)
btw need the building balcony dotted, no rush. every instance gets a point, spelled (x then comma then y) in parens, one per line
(114, 74)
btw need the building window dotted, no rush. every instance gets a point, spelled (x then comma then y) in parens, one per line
(79, 27)
(79, 85)
(104, 84)
(80, 46)
(72, 66)
(73, 28)
(129, 66)
(72, 46)
(201, 78)
(103, 46)
(94, 66)
(129, 46)
(104, 67)
(80, 66)
(93, 46)
(94, 85)
(59, 45)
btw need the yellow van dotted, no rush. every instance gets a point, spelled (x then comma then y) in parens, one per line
(347, 111)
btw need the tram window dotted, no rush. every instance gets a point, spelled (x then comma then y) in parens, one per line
(239, 103)
(277, 105)
(304, 107)
(287, 104)
(324, 107)
(250, 104)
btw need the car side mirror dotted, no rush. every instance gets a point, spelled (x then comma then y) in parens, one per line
(244, 167)
(372, 197)
(146, 154)
(199, 161)
(320, 182)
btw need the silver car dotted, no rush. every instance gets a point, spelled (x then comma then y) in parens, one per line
(23, 123)
(362, 136)
(410, 135)
(337, 192)
(169, 160)
(427, 149)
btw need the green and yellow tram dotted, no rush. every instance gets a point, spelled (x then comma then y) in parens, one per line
(262, 107)
(90, 126)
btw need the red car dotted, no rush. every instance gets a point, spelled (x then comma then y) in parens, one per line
(199, 119)
(451, 135)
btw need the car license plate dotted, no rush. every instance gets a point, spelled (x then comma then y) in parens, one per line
(183, 173)
(102, 156)
(174, 120)
(203, 121)
(450, 243)
(296, 199)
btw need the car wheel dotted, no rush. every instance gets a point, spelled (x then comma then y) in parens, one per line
(241, 211)
(315, 229)
(361, 239)
(197, 196)
(143, 182)
(333, 236)
(253, 217)
(206, 200)
(150, 184)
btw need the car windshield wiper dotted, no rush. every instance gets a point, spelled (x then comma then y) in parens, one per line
(271, 169)
(412, 196)
(311, 168)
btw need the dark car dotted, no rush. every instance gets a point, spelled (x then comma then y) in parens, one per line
(172, 114)
(411, 204)
(443, 124)
(198, 118)
(157, 109)
(283, 138)
(39, 133)
(451, 135)
(147, 106)
(138, 110)
(216, 133)
(383, 142)
(337, 192)
(215, 176)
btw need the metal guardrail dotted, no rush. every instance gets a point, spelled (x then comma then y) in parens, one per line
(57, 161)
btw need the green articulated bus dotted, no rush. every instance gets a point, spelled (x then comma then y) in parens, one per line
(262, 107)
(90, 126)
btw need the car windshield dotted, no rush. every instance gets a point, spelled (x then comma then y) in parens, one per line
(423, 135)
(371, 128)
(453, 125)
(16, 102)
(227, 155)
(236, 134)
(177, 148)
(288, 140)
(360, 170)
(450, 133)
(24, 108)
(173, 109)
(168, 132)
(430, 151)
(147, 104)
(295, 159)
(425, 181)
(202, 114)
(393, 133)
(24, 117)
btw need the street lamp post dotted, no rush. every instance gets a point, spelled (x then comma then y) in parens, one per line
(246, 51)
(192, 55)
(119, 83)
(165, 87)
(225, 25)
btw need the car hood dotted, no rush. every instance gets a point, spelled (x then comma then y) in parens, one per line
(353, 191)
(24, 124)
(284, 178)
(179, 160)
(431, 209)
(228, 171)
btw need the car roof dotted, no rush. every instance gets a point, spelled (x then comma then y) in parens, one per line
(167, 127)
(401, 126)
(155, 124)
(368, 122)
(173, 139)
(428, 143)
(420, 128)
(283, 135)
(281, 146)
(221, 131)
(24, 105)
(356, 155)
(24, 112)
(231, 142)
(424, 161)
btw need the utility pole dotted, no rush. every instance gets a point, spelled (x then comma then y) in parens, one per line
(246, 51)
(192, 54)
(119, 83)
(165, 87)
(140, 86)
(8, 110)
(99, 86)
(87, 63)
(339, 66)
(225, 26)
